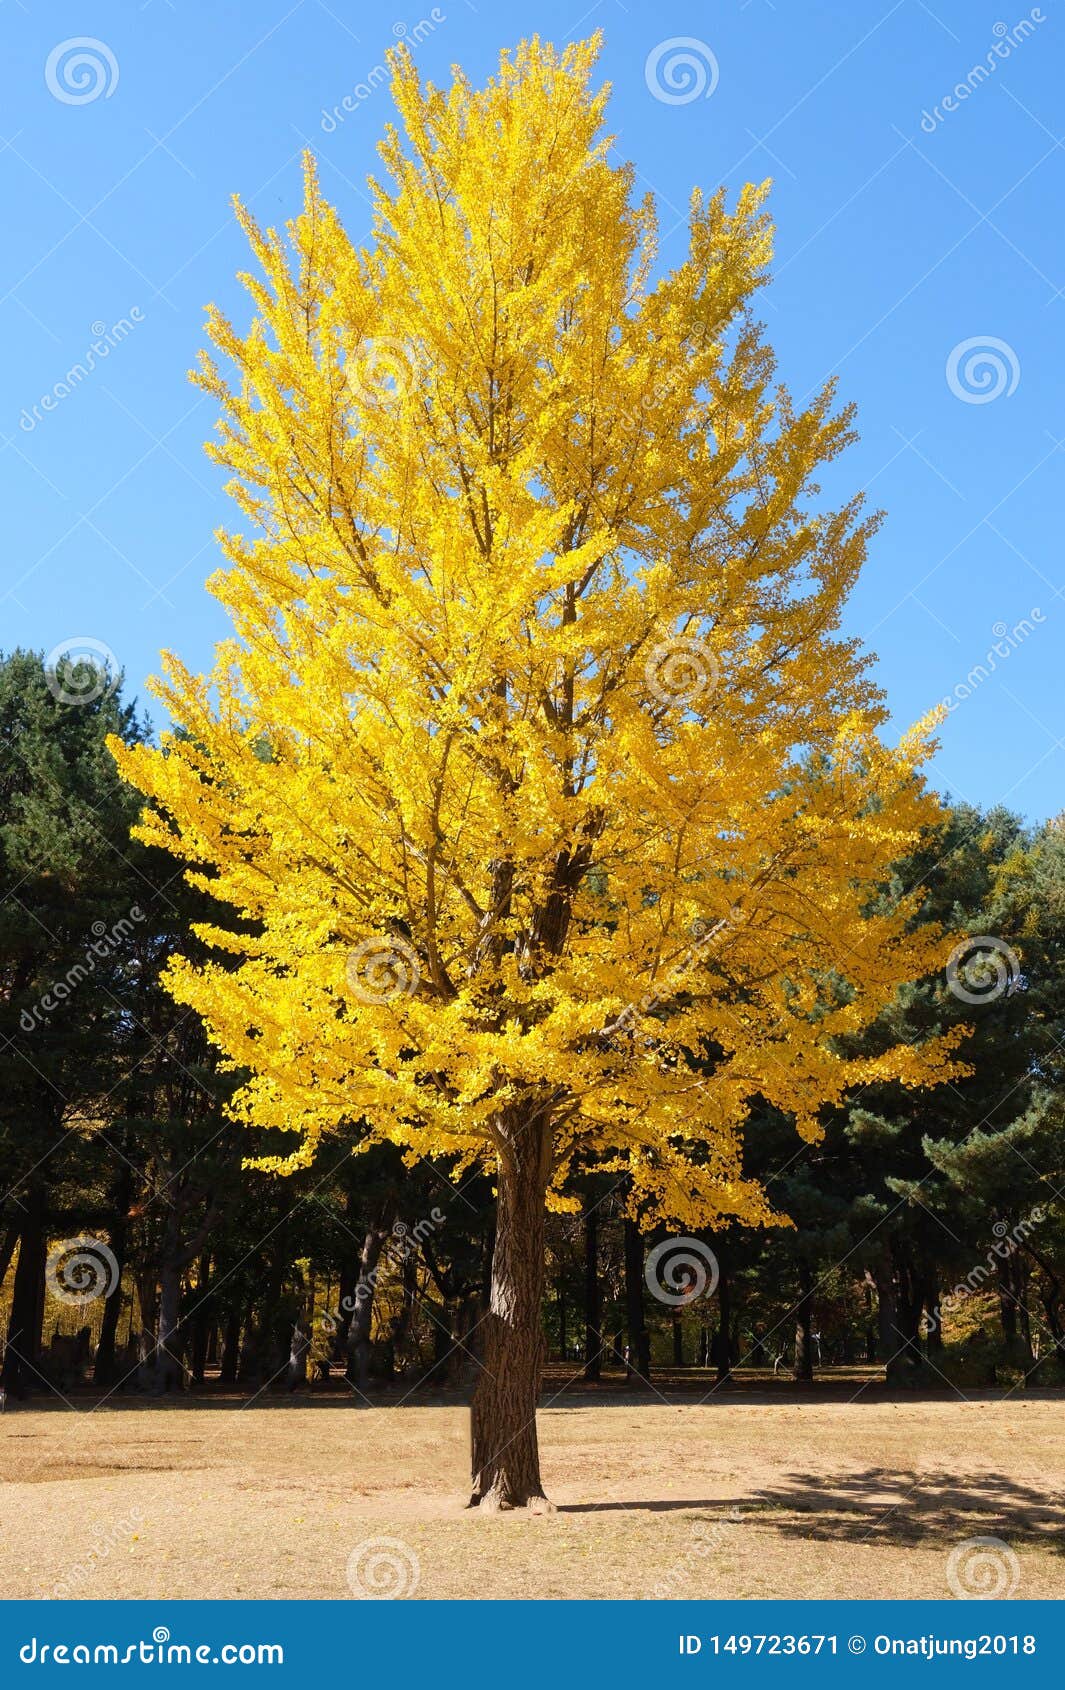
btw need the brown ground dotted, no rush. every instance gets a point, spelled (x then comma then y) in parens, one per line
(750, 1494)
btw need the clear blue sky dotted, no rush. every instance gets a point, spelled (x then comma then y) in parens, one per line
(903, 234)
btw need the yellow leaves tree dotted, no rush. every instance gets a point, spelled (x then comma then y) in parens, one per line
(548, 800)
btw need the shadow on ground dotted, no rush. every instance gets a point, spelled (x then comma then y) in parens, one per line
(878, 1505)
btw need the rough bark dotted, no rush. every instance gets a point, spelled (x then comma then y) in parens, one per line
(505, 1456)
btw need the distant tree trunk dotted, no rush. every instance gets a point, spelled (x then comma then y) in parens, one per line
(227, 1372)
(168, 1371)
(504, 1450)
(358, 1344)
(722, 1342)
(804, 1319)
(593, 1303)
(931, 1302)
(635, 1321)
(678, 1340)
(22, 1357)
(893, 1342)
(202, 1322)
(104, 1368)
(560, 1292)
(870, 1325)
(7, 1250)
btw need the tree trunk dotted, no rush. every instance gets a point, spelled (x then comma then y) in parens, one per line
(639, 1366)
(804, 1320)
(7, 1250)
(504, 1452)
(22, 1357)
(358, 1341)
(227, 1373)
(167, 1371)
(104, 1369)
(678, 1340)
(722, 1348)
(593, 1304)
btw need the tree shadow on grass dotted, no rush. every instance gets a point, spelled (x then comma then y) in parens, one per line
(880, 1505)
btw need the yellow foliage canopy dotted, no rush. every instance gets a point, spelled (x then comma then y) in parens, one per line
(537, 762)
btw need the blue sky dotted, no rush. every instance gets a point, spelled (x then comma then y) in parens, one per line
(919, 257)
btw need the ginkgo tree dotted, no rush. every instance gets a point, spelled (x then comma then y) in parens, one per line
(549, 801)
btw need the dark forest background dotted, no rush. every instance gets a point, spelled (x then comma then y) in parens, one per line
(929, 1227)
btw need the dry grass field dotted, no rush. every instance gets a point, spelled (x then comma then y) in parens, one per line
(749, 1494)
